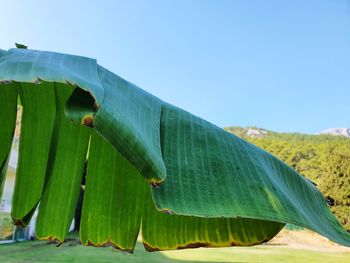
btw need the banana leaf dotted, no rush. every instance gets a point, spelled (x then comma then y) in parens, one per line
(150, 165)
(8, 109)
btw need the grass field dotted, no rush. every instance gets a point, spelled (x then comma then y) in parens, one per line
(300, 248)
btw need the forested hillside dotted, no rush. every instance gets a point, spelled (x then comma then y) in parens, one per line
(325, 159)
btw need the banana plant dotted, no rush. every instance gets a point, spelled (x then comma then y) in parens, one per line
(152, 168)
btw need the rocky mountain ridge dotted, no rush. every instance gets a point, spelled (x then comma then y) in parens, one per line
(337, 132)
(255, 132)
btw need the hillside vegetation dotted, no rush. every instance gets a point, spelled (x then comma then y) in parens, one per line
(324, 159)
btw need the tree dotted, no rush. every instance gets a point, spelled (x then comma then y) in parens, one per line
(190, 183)
(336, 181)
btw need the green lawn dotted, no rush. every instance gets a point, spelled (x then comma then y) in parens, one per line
(72, 251)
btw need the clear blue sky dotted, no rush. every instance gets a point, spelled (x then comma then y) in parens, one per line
(280, 65)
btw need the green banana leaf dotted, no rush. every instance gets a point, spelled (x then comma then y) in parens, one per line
(151, 166)
(8, 109)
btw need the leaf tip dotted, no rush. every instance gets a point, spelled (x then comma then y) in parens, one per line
(21, 46)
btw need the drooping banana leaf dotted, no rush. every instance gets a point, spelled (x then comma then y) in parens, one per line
(37, 127)
(113, 200)
(8, 109)
(64, 172)
(161, 231)
(209, 187)
(115, 206)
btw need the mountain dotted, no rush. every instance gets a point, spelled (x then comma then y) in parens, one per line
(337, 131)
(255, 132)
